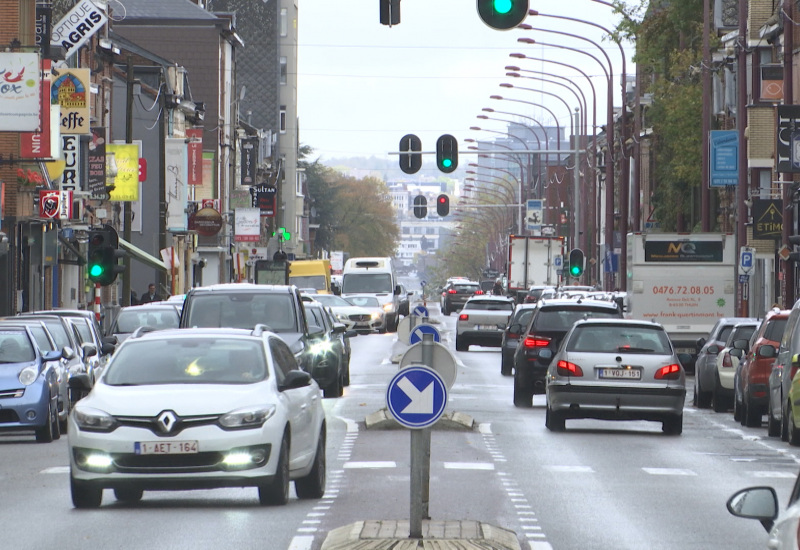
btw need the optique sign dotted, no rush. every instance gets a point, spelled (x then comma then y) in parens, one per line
(80, 23)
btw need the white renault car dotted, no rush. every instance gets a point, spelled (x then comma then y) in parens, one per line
(198, 409)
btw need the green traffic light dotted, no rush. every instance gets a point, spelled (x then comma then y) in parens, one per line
(96, 270)
(575, 270)
(503, 6)
(447, 163)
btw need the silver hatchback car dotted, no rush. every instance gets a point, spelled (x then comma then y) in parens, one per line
(615, 369)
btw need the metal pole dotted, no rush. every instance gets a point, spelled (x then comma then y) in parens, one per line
(421, 461)
(127, 217)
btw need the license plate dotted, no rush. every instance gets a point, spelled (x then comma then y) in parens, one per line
(486, 327)
(628, 374)
(165, 447)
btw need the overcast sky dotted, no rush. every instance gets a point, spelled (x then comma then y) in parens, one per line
(363, 85)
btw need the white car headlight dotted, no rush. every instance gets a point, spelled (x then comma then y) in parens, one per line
(388, 308)
(375, 316)
(28, 375)
(319, 348)
(93, 420)
(247, 417)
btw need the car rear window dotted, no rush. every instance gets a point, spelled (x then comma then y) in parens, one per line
(243, 310)
(619, 339)
(466, 288)
(489, 306)
(564, 318)
(775, 329)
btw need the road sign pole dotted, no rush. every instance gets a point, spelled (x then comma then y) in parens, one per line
(421, 460)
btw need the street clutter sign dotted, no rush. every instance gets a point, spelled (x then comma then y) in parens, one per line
(443, 361)
(747, 260)
(420, 311)
(416, 397)
(77, 26)
(423, 328)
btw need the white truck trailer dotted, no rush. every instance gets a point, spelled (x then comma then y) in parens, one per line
(685, 281)
(532, 261)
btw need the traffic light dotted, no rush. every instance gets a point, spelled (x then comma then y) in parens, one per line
(420, 206)
(576, 262)
(410, 155)
(390, 12)
(503, 14)
(443, 205)
(447, 153)
(103, 255)
(282, 234)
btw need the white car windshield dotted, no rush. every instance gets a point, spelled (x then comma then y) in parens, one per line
(367, 283)
(205, 360)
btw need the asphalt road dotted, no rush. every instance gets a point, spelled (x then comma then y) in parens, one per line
(598, 485)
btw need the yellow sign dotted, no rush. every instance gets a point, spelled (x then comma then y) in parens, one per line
(126, 183)
(70, 90)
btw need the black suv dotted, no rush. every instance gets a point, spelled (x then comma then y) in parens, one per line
(456, 294)
(280, 307)
(550, 322)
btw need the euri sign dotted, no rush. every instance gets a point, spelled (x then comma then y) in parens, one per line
(80, 23)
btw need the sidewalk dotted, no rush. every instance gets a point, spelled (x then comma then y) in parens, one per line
(436, 535)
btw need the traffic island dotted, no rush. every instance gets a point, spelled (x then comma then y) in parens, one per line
(436, 535)
(382, 420)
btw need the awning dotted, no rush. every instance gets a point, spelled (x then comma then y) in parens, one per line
(141, 255)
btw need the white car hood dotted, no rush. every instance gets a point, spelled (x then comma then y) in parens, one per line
(183, 399)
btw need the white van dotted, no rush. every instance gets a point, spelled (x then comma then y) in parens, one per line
(375, 276)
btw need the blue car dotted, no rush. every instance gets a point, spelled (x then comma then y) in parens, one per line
(29, 384)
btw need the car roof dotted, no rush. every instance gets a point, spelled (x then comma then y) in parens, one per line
(146, 333)
(242, 287)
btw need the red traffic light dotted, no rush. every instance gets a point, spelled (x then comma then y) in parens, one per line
(443, 205)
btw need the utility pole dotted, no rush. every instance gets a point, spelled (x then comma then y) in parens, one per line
(126, 213)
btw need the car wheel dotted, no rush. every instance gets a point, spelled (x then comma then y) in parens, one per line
(335, 388)
(313, 485)
(128, 494)
(702, 399)
(462, 344)
(738, 410)
(523, 396)
(84, 495)
(719, 402)
(673, 425)
(751, 415)
(505, 367)
(785, 422)
(794, 432)
(554, 421)
(47, 433)
(773, 424)
(277, 492)
(347, 374)
(445, 311)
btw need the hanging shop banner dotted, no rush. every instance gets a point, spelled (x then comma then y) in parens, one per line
(249, 153)
(724, 153)
(126, 182)
(176, 161)
(55, 205)
(20, 92)
(247, 225)
(264, 198)
(71, 155)
(97, 162)
(195, 149)
(70, 90)
(767, 219)
(37, 144)
(77, 26)
(787, 146)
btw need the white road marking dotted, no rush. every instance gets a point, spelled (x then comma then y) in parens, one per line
(301, 543)
(468, 466)
(571, 469)
(669, 472)
(375, 464)
(56, 470)
(777, 475)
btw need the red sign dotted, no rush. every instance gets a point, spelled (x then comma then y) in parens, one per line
(142, 169)
(37, 144)
(55, 205)
(195, 149)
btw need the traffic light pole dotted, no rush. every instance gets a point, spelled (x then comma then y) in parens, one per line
(127, 218)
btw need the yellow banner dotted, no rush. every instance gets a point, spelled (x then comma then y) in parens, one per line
(70, 90)
(126, 184)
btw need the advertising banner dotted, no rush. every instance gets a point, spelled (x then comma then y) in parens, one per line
(55, 205)
(683, 251)
(126, 183)
(20, 92)
(247, 225)
(71, 155)
(787, 146)
(724, 154)
(177, 163)
(70, 90)
(97, 162)
(249, 153)
(78, 25)
(264, 199)
(37, 144)
(767, 218)
(195, 150)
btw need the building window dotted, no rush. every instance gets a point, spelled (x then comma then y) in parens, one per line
(284, 22)
(283, 69)
(282, 120)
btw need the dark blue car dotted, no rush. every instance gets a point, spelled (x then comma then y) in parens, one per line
(29, 385)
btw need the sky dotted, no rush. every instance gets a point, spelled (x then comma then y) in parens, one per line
(362, 86)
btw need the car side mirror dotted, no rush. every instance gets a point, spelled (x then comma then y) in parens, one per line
(737, 352)
(686, 360)
(759, 503)
(713, 350)
(89, 350)
(295, 379)
(699, 343)
(767, 350)
(545, 356)
(80, 382)
(68, 353)
(742, 343)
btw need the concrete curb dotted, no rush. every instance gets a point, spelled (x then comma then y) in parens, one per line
(436, 535)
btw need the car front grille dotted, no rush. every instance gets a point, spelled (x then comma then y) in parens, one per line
(153, 424)
(360, 318)
(8, 416)
(162, 464)
(16, 392)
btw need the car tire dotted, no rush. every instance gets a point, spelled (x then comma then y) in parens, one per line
(462, 344)
(84, 495)
(672, 425)
(506, 368)
(335, 388)
(719, 402)
(47, 433)
(523, 396)
(445, 311)
(276, 493)
(554, 421)
(794, 431)
(702, 399)
(785, 422)
(346, 381)
(738, 406)
(128, 494)
(773, 424)
(313, 485)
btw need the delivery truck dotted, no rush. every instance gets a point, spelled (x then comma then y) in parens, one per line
(532, 260)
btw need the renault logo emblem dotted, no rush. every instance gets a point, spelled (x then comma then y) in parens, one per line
(166, 421)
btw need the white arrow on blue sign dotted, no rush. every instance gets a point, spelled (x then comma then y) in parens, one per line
(416, 397)
(420, 311)
(416, 335)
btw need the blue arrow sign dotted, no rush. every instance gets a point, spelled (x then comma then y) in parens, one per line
(420, 311)
(416, 334)
(416, 397)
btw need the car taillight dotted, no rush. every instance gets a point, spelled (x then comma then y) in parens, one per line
(536, 342)
(478, 292)
(726, 361)
(452, 291)
(463, 317)
(670, 372)
(565, 368)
